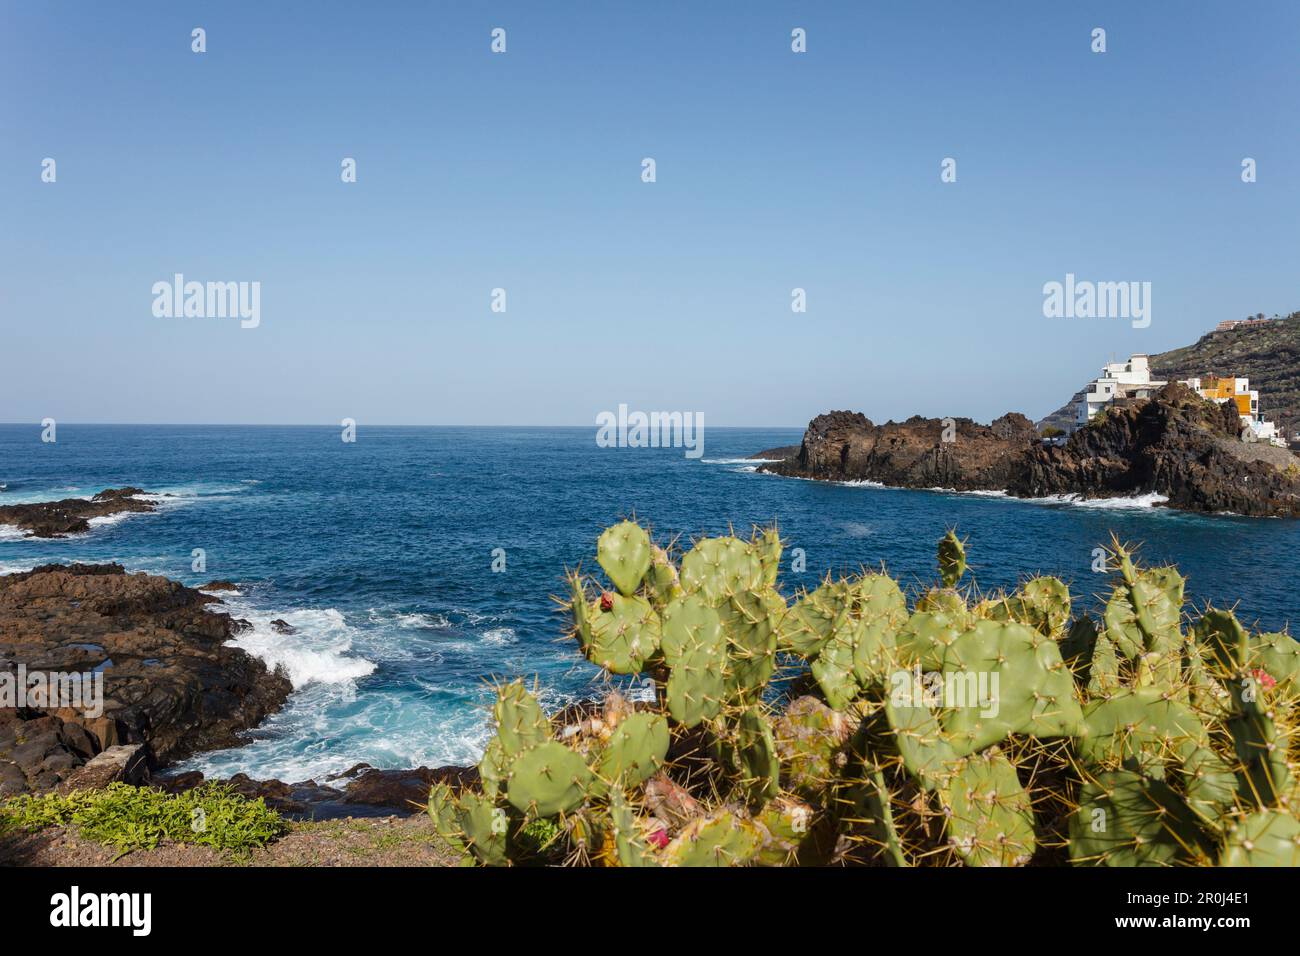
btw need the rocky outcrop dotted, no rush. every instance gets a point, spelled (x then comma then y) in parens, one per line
(55, 519)
(775, 454)
(125, 763)
(360, 791)
(1176, 445)
(166, 679)
(918, 453)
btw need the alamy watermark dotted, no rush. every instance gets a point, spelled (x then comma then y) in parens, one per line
(953, 690)
(651, 430)
(52, 690)
(75, 908)
(1083, 299)
(208, 300)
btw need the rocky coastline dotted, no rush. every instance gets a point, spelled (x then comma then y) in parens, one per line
(57, 519)
(169, 687)
(1175, 445)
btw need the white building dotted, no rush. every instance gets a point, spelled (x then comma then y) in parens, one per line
(1131, 379)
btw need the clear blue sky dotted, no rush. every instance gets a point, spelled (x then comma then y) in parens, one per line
(522, 171)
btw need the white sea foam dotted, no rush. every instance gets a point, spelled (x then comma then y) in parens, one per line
(1120, 503)
(409, 619)
(102, 521)
(317, 652)
(1131, 502)
(500, 636)
(1151, 500)
(11, 532)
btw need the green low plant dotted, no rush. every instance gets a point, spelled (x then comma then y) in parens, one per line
(131, 818)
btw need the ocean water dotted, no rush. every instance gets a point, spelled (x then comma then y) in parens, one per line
(380, 553)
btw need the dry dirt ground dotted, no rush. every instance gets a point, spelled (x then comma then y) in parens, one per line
(375, 841)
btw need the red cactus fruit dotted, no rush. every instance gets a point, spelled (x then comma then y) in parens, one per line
(658, 838)
(606, 601)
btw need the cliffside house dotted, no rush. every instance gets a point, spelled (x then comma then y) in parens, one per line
(1132, 379)
(1223, 389)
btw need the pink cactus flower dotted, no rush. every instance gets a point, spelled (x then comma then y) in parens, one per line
(659, 838)
(1266, 680)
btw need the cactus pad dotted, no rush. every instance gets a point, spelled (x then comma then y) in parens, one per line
(952, 559)
(722, 839)
(1125, 819)
(624, 552)
(1030, 689)
(1265, 838)
(635, 750)
(548, 779)
(625, 635)
(990, 817)
(810, 739)
(696, 685)
(719, 567)
(520, 721)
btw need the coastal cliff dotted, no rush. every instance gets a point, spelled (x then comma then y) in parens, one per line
(1175, 444)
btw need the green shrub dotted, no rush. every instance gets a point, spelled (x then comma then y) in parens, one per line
(137, 818)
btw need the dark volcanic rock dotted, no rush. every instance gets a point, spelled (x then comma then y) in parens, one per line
(283, 627)
(54, 519)
(775, 454)
(401, 789)
(168, 680)
(370, 792)
(1175, 444)
(846, 446)
(218, 586)
(128, 763)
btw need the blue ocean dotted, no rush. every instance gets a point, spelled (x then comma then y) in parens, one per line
(380, 554)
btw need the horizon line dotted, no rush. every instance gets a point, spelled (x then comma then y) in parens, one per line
(37, 425)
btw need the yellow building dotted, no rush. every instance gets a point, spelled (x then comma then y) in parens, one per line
(1222, 388)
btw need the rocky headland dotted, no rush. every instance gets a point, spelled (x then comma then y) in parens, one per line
(56, 519)
(1175, 444)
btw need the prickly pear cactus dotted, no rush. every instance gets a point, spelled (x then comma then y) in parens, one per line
(841, 726)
